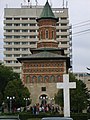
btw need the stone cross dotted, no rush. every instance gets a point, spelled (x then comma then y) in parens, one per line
(66, 85)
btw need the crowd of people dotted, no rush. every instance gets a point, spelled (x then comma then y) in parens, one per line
(36, 109)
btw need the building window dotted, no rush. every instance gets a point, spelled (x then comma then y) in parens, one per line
(64, 36)
(24, 18)
(8, 49)
(16, 36)
(8, 30)
(16, 18)
(17, 24)
(24, 49)
(8, 43)
(32, 18)
(24, 24)
(15, 61)
(46, 34)
(8, 55)
(63, 18)
(24, 30)
(9, 24)
(24, 55)
(57, 24)
(8, 18)
(17, 55)
(16, 30)
(24, 43)
(16, 43)
(32, 24)
(41, 35)
(57, 30)
(63, 30)
(52, 34)
(32, 30)
(63, 42)
(63, 24)
(8, 36)
(9, 61)
(32, 43)
(43, 88)
(57, 36)
(24, 36)
(16, 49)
(33, 36)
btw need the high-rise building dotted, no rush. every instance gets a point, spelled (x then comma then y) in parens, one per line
(21, 32)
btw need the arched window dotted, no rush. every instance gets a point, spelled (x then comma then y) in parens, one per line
(34, 79)
(40, 79)
(52, 34)
(47, 35)
(46, 79)
(41, 35)
(52, 78)
(27, 79)
(58, 78)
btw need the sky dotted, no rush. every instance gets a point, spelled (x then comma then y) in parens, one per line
(79, 17)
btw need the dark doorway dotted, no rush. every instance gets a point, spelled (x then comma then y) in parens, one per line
(43, 99)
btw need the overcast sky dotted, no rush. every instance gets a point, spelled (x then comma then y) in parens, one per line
(79, 16)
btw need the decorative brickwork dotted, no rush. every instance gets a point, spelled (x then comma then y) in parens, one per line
(47, 44)
(47, 30)
(43, 72)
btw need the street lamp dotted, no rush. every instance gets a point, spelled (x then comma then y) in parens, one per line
(26, 99)
(10, 99)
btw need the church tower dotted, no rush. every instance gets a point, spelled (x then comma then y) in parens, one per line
(47, 28)
(47, 64)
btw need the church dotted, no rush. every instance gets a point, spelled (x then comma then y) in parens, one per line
(47, 63)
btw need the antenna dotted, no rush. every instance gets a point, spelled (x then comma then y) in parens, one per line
(50, 3)
(28, 2)
(36, 7)
(6, 5)
(36, 2)
(66, 4)
(24, 2)
(63, 3)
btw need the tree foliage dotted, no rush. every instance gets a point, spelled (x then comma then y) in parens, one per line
(78, 97)
(19, 91)
(6, 75)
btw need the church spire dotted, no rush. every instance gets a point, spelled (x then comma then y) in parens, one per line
(47, 13)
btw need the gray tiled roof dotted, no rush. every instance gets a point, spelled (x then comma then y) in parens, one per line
(44, 54)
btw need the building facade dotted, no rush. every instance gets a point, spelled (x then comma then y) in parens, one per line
(46, 65)
(21, 33)
(85, 77)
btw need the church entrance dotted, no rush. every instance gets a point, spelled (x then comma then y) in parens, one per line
(43, 98)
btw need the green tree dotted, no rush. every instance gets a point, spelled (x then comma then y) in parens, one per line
(78, 97)
(6, 75)
(19, 91)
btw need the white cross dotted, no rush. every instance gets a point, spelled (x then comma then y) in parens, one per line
(66, 85)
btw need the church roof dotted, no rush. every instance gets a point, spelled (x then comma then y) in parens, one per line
(54, 50)
(45, 56)
(47, 13)
(42, 55)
